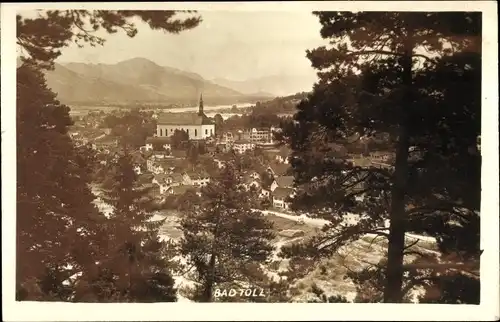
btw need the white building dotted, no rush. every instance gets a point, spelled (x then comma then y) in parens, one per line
(264, 193)
(161, 144)
(281, 197)
(259, 135)
(195, 179)
(242, 146)
(197, 125)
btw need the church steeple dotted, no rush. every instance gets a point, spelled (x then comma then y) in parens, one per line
(200, 108)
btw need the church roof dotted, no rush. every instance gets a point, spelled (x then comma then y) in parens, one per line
(185, 118)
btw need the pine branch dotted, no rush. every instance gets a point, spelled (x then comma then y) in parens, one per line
(412, 244)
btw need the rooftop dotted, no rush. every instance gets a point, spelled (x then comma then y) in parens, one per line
(243, 142)
(179, 190)
(176, 177)
(156, 139)
(279, 169)
(282, 193)
(285, 181)
(161, 177)
(185, 118)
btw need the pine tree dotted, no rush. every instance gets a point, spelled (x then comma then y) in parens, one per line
(58, 229)
(224, 239)
(397, 74)
(136, 267)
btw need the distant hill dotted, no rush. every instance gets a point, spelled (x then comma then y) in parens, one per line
(135, 81)
(276, 85)
(76, 88)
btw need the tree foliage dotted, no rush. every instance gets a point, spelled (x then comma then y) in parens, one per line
(43, 37)
(63, 242)
(224, 239)
(219, 124)
(54, 209)
(136, 267)
(402, 75)
(132, 128)
(179, 139)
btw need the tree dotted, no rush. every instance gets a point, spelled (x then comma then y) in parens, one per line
(179, 139)
(219, 124)
(132, 128)
(224, 239)
(43, 37)
(193, 154)
(389, 73)
(58, 228)
(136, 267)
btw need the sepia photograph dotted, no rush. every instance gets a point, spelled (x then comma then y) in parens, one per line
(189, 153)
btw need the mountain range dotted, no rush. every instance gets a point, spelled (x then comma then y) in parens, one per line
(141, 81)
(136, 81)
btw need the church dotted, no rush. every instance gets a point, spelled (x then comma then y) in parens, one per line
(196, 124)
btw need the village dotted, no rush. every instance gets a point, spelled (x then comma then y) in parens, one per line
(184, 152)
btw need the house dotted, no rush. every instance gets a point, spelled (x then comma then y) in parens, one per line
(160, 154)
(285, 181)
(174, 179)
(242, 146)
(278, 169)
(161, 181)
(265, 193)
(220, 164)
(283, 155)
(281, 197)
(259, 135)
(228, 137)
(255, 175)
(179, 190)
(195, 179)
(248, 182)
(145, 178)
(231, 136)
(197, 125)
(282, 182)
(157, 143)
(222, 147)
(382, 156)
(155, 167)
(138, 162)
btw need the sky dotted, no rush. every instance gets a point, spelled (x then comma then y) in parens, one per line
(232, 45)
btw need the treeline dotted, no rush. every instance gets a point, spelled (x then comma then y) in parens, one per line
(280, 105)
(263, 114)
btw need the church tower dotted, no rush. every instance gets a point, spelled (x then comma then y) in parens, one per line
(200, 108)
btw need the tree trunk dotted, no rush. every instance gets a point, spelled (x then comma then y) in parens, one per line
(207, 291)
(397, 230)
(393, 291)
